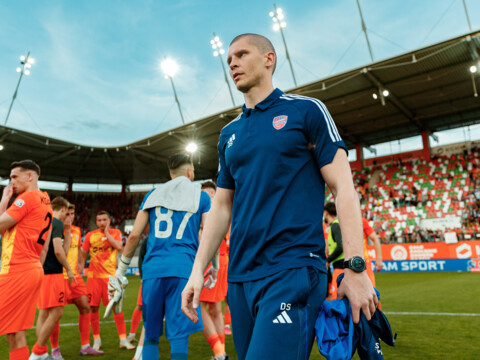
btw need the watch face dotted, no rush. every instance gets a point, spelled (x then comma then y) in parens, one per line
(358, 264)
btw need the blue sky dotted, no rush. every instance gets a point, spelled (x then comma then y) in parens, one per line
(97, 79)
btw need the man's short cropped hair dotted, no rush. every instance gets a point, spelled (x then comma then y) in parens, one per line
(26, 165)
(59, 203)
(71, 206)
(178, 160)
(331, 209)
(261, 42)
(103, 212)
(209, 184)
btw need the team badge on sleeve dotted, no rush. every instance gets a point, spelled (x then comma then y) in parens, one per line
(19, 202)
(279, 121)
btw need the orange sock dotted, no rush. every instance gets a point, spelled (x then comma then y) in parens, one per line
(84, 328)
(39, 350)
(95, 321)
(120, 322)
(216, 345)
(228, 318)
(221, 337)
(136, 317)
(19, 354)
(54, 336)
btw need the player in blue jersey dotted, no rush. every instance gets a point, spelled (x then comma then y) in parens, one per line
(174, 211)
(275, 159)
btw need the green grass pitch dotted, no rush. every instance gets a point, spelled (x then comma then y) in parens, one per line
(425, 334)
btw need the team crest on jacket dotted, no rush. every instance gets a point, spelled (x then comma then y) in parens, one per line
(279, 121)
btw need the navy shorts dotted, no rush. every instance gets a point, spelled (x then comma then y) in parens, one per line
(274, 317)
(163, 298)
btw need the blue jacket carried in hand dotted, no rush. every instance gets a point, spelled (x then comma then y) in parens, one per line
(338, 338)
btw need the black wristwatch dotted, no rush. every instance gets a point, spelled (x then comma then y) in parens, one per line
(356, 264)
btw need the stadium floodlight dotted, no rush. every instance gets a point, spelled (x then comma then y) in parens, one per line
(219, 51)
(191, 147)
(375, 96)
(277, 16)
(26, 63)
(170, 68)
(1, 147)
(473, 69)
(385, 92)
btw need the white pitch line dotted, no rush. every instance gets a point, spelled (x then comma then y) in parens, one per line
(430, 313)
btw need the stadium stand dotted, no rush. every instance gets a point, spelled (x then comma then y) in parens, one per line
(404, 193)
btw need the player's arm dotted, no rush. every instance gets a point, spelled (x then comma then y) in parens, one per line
(116, 244)
(62, 258)
(84, 252)
(357, 287)
(67, 239)
(43, 253)
(82, 257)
(215, 229)
(6, 221)
(67, 233)
(378, 250)
(6, 196)
(141, 222)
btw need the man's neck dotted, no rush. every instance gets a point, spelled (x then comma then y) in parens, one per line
(57, 215)
(257, 94)
(32, 187)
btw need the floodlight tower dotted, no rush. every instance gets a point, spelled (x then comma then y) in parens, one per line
(217, 46)
(170, 68)
(277, 16)
(26, 62)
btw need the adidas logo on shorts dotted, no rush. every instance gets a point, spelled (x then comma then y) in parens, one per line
(283, 318)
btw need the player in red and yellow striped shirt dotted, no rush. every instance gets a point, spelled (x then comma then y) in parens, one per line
(76, 293)
(103, 245)
(25, 229)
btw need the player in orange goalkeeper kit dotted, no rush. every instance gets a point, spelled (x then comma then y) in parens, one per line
(103, 245)
(25, 227)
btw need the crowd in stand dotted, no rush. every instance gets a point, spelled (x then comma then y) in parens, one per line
(408, 192)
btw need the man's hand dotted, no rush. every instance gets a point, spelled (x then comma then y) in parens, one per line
(116, 294)
(212, 278)
(191, 296)
(80, 267)
(7, 192)
(107, 227)
(378, 265)
(358, 288)
(71, 277)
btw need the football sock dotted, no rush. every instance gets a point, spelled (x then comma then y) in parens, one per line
(178, 349)
(136, 317)
(19, 353)
(95, 320)
(39, 350)
(120, 322)
(54, 336)
(150, 349)
(84, 328)
(216, 345)
(228, 319)
(221, 337)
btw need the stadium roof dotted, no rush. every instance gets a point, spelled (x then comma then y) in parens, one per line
(430, 89)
